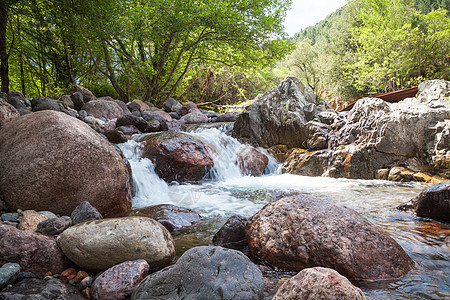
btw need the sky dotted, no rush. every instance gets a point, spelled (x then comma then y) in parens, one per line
(305, 13)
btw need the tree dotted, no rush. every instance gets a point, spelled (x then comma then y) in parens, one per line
(304, 63)
(5, 6)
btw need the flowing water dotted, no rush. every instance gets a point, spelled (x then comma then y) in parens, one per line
(227, 192)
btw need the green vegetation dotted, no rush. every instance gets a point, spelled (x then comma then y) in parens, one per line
(134, 48)
(373, 46)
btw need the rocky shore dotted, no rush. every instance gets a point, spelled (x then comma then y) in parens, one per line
(68, 230)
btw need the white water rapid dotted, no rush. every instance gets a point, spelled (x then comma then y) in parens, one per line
(227, 192)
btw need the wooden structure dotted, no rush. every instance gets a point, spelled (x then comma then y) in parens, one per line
(392, 97)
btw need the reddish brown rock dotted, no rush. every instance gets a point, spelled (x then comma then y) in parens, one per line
(103, 109)
(186, 108)
(142, 104)
(300, 232)
(177, 156)
(170, 216)
(118, 282)
(7, 113)
(251, 161)
(30, 220)
(80, 276)
(75, 165)
(68, 274)
(319, 283)
(34, 252)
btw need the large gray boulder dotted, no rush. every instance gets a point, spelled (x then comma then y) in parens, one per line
(300, 232)
(279, 116)
(205, 272)
(100, 244)
(104, 109)
(413, 133)
(318, 283)
(51, 161)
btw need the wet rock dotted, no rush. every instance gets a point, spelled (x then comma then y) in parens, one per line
(129, 129)
(77, 100)
(187, 107)
(115, 136)
(103, 109)
(232, 234)
(170, 216)
(307, 163)
(194, 118)
(85, 212)
(87, 94)
(433, 203)
(251, 161)
(140, 123)
(44, 103)
(205, 273)
(279, 116)
(320, 136)
(7, 113)
(54, 226)
(30, 220)
(8, 274)
(34, 252)
(126, 239)
(318, 283)
(75, 165)
(118, 282)
(40, 289)
(300, 232)
(177, 156)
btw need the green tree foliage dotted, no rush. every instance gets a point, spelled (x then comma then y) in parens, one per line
(138, 47)
(375, 46)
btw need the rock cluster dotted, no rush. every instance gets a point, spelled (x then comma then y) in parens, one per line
(397, 141)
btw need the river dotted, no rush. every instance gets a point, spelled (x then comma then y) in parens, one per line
(227, 192)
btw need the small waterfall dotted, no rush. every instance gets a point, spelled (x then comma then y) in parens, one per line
(152, 190)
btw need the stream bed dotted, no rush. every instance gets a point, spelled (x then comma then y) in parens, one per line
(227, 192)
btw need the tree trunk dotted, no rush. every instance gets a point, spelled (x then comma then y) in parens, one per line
(4, 76)
(112, 77)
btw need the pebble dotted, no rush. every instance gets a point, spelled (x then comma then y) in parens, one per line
(80, 276)
(11, 217)
(68, 274)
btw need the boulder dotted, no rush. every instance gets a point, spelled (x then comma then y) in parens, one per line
(300, 232)
(118, 282)
(66, 100)
(194, 118)
(7, 113)
(232, 234)
(142, 105)
(170, 216)
(227, 117)
(103, 109)
(16, 99)
(8, 274)
(77, 99)
(251, 161)
(54, 226)
(34, 252)
(75, 165)
(129, 129)
(433, 203)
(177, 156)
(318, 283)
(115, 136)
(279, 116)
(205, 273)
(41, 289)
(140, 123)
(119, 240)
(44, 103)
(87, 94)
(85, 212)
(30, 220)
(187, 107)
(168, 104)
(166, 117)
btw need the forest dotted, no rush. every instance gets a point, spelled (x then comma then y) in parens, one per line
(220, 52)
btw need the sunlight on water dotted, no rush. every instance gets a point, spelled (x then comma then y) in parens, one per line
(227, 192)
